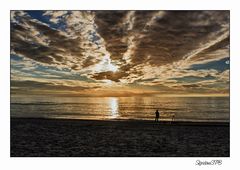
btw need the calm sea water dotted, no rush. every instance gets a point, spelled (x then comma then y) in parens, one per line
(184, 108)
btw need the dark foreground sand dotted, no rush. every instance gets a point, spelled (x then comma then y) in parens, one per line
(82, 138)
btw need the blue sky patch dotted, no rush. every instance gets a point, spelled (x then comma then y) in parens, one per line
(46, 19)
(16, 58)
(219, 65)
(193, 79)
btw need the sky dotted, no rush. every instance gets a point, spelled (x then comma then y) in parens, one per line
(120, 53)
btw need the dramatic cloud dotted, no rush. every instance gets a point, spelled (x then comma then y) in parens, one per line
(148, 52)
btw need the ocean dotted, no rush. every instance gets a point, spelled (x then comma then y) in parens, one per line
(214, 109)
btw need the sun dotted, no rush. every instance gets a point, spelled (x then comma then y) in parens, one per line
(111, 67)
(106, 65)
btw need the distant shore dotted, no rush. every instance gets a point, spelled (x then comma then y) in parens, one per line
(94, 138)
(160, 122)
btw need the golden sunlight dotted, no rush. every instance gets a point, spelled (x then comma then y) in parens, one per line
(113, 104)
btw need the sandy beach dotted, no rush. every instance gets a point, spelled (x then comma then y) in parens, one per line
(98, 138)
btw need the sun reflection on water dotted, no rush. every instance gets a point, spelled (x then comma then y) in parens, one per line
(113, 103)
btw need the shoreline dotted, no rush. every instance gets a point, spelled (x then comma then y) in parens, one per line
(41, 137)
(163, 122)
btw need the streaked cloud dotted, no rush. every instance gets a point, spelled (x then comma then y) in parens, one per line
(148, 52)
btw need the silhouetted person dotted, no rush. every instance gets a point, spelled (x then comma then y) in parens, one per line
(173, 118)
(157, 116)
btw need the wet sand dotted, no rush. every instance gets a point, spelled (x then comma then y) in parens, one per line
(98, 138)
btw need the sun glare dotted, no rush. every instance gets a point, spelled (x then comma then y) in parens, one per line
(108, 82)
(113, 103)
(106, 65)
(111, 67)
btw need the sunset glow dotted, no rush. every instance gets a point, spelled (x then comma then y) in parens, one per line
(113, 102)
(120, 53)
